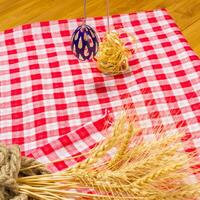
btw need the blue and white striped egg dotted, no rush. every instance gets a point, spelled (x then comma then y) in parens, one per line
(84, 42)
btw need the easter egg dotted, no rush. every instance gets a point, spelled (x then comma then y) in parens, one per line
(84, 42)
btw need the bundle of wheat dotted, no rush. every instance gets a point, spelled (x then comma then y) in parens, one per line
(123, 166)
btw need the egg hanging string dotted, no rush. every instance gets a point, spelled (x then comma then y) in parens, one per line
(108, 14)
(112, 57)
(84, 12)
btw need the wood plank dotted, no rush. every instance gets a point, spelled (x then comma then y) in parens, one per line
(193, 36)
(16, 12)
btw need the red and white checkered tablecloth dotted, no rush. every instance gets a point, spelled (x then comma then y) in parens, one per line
(54, 106)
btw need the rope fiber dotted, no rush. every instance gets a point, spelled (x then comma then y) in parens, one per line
(11, 162)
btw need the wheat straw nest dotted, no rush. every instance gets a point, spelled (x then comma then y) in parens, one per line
(112, 56)
(136, 169)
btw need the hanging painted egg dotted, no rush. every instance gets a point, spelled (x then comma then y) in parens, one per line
(84, 42)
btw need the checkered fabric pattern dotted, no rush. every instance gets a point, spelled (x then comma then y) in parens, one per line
(53, 105)
(73, 145)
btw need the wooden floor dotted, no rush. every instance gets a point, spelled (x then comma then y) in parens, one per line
(185, 12)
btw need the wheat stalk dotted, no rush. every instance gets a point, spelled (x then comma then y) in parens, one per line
(138, 170)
